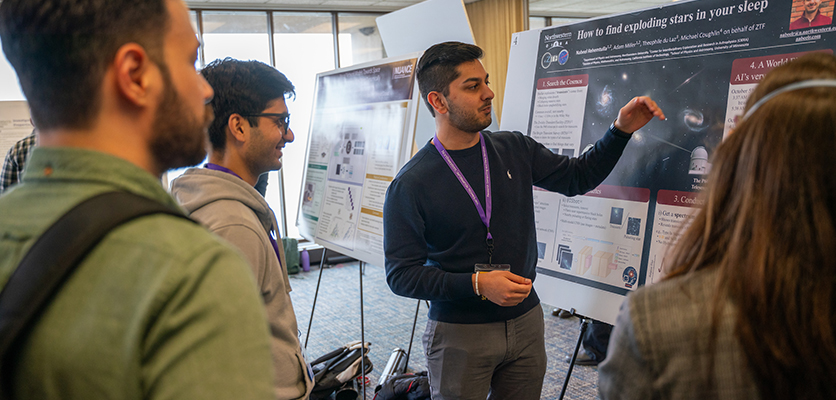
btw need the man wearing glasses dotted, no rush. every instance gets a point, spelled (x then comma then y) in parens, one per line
(250, 129)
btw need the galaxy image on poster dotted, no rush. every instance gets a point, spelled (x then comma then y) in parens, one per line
(699, 61)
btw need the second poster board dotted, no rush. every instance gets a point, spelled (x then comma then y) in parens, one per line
(361, 133)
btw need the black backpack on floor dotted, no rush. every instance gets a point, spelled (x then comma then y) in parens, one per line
(411, 386)
(338, 368)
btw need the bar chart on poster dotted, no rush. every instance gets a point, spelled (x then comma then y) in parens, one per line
(699, 61)
(361, 133)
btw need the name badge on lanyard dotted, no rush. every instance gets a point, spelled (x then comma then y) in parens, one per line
(484, 214)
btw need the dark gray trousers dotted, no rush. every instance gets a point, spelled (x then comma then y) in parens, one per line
(498, 360)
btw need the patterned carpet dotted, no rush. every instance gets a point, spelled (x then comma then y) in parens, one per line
(388, 323)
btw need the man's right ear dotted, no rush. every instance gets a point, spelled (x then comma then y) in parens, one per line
(238, 126)
(438, 102)
(134, 80)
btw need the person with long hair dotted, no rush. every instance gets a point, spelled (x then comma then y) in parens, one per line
(748, 308)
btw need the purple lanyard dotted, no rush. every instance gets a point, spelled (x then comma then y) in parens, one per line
(485, 214)
(216, 167)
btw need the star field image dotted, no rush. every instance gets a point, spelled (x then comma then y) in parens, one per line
(693, 98)
(634, 226)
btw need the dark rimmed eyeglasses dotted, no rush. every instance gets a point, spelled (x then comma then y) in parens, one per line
(282, 120)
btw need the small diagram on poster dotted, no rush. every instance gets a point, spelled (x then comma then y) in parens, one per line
(598, 237)
(308, 195)
(338, 220)
(348, 159)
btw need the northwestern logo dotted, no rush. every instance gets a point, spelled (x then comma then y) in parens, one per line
(557, 36)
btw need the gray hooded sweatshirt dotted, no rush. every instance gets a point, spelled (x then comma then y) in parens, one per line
(235, 211)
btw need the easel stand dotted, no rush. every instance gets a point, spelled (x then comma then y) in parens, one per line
(362, 322)
(316, 294)
(411, 337)
(362, 334)
(584, 325)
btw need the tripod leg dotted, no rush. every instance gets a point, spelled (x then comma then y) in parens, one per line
(362, 336)
(584, 325)
(316, 294)
(411, 338)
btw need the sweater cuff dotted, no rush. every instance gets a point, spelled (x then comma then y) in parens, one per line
(462, 284)
(618, 132)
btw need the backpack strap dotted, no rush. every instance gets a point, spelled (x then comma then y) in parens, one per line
(52, 259)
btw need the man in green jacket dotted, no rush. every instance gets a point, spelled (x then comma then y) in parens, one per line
(160, 309)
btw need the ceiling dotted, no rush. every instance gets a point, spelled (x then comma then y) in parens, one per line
(554, 8)
(587, 8)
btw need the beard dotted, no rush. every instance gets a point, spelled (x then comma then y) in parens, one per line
(467, 121)
(261, 154)
(180, 136)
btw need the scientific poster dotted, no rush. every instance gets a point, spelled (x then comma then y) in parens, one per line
(699, 61)
(363, 119)
(14, 124)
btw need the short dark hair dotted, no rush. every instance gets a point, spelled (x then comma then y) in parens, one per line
(437, 67)
(242, 87)
(62, 48)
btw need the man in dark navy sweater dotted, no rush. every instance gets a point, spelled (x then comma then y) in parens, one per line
(467, 243)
